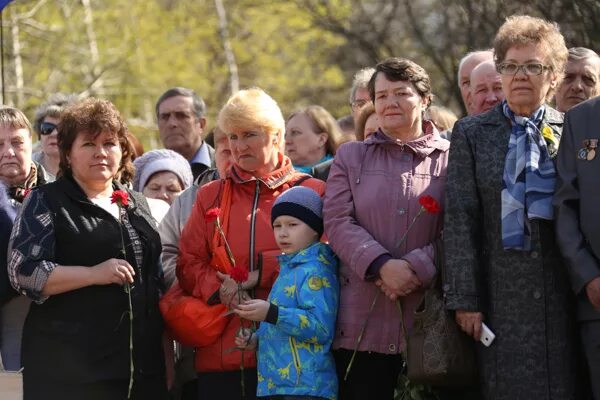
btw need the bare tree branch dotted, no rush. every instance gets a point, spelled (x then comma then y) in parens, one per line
(234, 79)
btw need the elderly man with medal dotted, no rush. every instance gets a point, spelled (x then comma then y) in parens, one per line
(576, 202)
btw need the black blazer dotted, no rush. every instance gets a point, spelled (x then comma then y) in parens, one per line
(577, 199)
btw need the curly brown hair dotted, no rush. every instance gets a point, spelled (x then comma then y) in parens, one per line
(94, 116)
(523, 30)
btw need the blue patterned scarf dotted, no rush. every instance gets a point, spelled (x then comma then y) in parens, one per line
(528, 180)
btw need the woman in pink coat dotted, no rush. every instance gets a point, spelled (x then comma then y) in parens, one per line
(372, 196)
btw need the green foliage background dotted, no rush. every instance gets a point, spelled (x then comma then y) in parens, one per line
(300, 51)
(148, 46)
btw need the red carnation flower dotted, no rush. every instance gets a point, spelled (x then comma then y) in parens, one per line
(239, 274)
(429, 204)
(212, 214)
(120, 197)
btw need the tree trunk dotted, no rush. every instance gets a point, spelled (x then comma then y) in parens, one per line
(234, 79)
(95, 80)
(18, 61)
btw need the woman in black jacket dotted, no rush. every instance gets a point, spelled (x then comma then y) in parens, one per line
(74, 252)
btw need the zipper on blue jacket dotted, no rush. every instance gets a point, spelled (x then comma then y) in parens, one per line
(296, 358)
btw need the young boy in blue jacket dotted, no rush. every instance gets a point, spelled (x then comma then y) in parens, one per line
(293, 343)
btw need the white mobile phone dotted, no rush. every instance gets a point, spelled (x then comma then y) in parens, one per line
(487, 336)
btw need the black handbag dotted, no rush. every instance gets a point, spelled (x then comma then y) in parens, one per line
(439, 353)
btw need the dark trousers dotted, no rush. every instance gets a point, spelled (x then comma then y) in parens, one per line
(186, 379)
(292, 398)
(189, 390)
(144, 388)
(227, 385)
(373, 375)
(590, 339)
(472, 393)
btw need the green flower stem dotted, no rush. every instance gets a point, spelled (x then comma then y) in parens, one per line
(403, 238)
(360, 336)
(404, 352)
(127, 289)
(242, 379)
(242, 375)
(131, 368)
(227, 248)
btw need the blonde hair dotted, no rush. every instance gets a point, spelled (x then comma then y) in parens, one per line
(322, 121)
(251, 109)
(523, 30)
(442, 117)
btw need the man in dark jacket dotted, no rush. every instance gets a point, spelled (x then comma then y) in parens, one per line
(20, 174)
(181, 123)
(7, 215)
(578, 222)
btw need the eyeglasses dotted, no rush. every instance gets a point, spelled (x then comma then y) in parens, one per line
(47, 128)
(528, 69)
(356, 104)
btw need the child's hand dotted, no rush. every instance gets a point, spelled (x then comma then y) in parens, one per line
(246, 339)
(253, 310)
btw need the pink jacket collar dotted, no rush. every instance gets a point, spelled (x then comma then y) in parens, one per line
(422, 146)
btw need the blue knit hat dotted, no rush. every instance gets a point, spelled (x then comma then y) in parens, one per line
(302, 203)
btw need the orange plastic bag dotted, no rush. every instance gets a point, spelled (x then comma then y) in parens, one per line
(191, 321)
(188, 319)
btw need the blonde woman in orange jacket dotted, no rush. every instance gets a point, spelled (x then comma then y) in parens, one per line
(260, 172)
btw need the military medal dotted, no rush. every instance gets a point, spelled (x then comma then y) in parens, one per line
(593, 143)
(582, 153)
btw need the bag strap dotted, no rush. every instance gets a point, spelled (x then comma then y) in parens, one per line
(301, 179)
(439, 261)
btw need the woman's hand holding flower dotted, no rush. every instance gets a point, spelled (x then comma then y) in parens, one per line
(397, 279)
(229, 290)
(252, 280)
(113, 270)
(246, 339)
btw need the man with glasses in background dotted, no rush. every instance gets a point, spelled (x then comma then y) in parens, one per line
(181, 123)
(359, 94)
